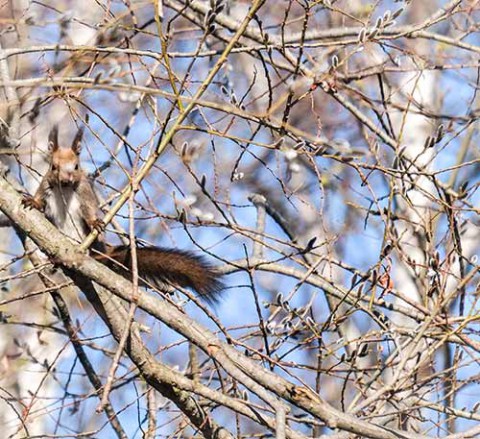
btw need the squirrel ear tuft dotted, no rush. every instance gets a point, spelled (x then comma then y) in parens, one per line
(53, 139)
(77, 141)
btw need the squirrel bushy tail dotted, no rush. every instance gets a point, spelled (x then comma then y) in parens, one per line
(166, 267)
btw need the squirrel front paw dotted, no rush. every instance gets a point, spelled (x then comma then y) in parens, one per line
(31, 203)
(97, 224)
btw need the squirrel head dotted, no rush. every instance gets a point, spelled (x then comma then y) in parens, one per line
(65, 161)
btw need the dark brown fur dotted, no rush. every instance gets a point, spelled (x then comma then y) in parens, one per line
(166, 266)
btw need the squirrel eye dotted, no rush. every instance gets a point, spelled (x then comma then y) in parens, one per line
(76, 167)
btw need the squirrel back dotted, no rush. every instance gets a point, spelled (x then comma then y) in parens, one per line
(67, 197)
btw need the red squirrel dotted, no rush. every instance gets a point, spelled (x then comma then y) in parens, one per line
(67, 197)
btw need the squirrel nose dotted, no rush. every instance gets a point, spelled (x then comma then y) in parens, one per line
(66, 177)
